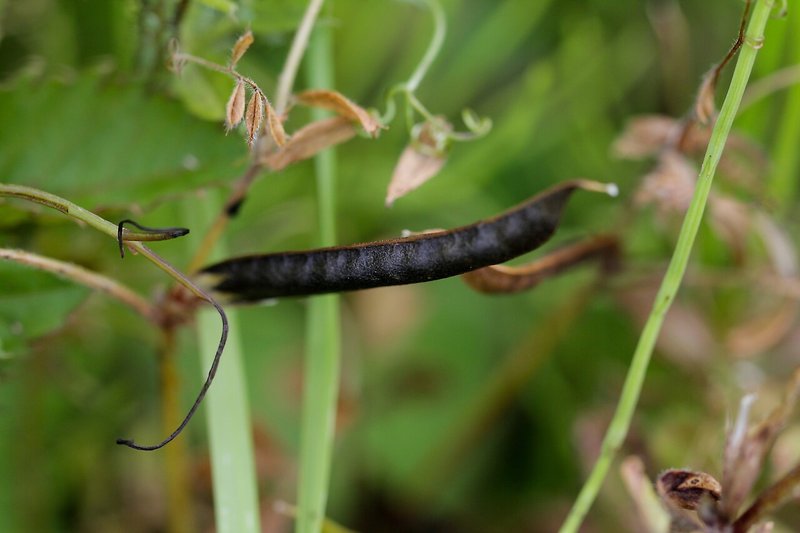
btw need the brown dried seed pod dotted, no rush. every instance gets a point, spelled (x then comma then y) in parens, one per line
(686, 489)
(234, 110)
(253, 114)
(241, 46)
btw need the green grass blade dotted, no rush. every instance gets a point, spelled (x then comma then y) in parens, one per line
(618, 429)
(228, 415)
(323, 347)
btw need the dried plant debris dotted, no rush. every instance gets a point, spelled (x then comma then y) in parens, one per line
(234, 110)
(308, 141)
(421, 160)
(685, 489)
(241, 46)
(670, 185)
(342, 106)
(698, 502)
(651, 514)
(254, 114)
(501, 279)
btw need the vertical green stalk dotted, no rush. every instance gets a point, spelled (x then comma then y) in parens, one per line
(228, 413)
(618, 429)
(786, 162)
(323, 346)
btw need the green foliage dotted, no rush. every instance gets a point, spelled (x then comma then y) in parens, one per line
(435, 427)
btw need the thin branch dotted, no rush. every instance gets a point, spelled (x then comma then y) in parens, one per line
(84, 277)
(77, 212)
(634, 381)
(296, 52)
(771, 498)
(439, 31)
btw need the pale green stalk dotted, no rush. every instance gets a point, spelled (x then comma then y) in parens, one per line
(323, 343)
(230, 434)
(618, 429)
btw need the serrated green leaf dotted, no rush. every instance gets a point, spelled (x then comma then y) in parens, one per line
(98, 141)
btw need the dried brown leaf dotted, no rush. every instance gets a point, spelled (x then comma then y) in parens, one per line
(510, 279)
(241, 46)
(310, 140)
(705, 108)
(341, 105)
(234, 110)
(412, 170)
(644, 136)
(745, 451)
(670, 185)
(253, 115)
(685, 489)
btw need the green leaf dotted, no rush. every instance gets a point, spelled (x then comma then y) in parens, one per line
(99, 141)
(32, 304)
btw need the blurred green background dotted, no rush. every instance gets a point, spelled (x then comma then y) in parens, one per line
(458, 411)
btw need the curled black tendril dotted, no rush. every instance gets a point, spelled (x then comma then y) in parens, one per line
(154, 234)
(211, 373)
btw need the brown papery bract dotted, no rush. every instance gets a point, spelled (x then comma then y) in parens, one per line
(341, 105)
(412, 170)
(241, 46)
(234, 110)
(255, 110)
(275, 126)
(310, 140)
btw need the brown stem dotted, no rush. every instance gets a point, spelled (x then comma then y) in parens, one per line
(179, 506)
(84, 277)
(769, 500)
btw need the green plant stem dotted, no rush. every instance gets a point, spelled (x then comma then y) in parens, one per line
(620, 423)
(228, 414)
(323, 346)
(439, 31)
